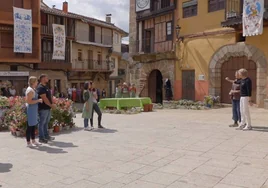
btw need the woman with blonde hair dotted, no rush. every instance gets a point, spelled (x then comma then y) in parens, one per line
(32, 111)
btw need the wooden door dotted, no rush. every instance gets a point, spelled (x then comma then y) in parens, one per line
(90, 59)
(228, 70)
(188, 85)
(155, 86)
(152, 86)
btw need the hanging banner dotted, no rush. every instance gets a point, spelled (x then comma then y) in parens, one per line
(253, 17)
(22, 30)
(59, 42)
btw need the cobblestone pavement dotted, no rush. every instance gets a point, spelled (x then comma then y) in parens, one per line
(164, 149)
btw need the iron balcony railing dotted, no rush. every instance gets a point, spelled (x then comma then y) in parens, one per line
(92, 64)
(234, 8)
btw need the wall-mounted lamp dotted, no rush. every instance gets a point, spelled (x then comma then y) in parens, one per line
(178, 30)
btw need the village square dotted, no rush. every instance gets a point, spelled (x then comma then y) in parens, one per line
(133, 94)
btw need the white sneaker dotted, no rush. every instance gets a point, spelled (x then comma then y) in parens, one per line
(35, 144)
(240, 127)
(247, 128)
(88, 129)
(29, 145)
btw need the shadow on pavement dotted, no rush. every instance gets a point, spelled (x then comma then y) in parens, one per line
(50, 150)
(5, 167)
(72, 130)
(261, 129)
(104, 131)
(62, 144)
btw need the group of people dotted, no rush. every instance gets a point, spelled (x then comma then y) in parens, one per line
(125, 91)
(76, 93)
(241, 99)
(8, 91)
(90, 97)
(38, 108)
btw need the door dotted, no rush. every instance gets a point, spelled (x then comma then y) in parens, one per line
(155, 86)
(228, 70)
(90, 59)
(188, 85)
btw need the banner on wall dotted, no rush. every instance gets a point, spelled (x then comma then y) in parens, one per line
(22, 30)
(59, 42)
(253, 17)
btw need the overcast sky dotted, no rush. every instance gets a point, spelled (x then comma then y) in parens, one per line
(98, 9)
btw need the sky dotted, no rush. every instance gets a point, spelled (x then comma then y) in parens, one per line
(98, 9)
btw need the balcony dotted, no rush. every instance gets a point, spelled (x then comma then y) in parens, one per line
(145, 45)
(91, 65)
(49, 63)
(234, 13)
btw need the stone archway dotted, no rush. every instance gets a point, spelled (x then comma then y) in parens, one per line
(166, 67)
(238, 50)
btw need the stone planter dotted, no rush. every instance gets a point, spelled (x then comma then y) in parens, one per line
(266, 104)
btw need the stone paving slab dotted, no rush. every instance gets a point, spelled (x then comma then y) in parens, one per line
(163, 149)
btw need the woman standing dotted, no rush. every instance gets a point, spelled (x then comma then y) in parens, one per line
(132, 91)
(74, 94)
(118, 92)
(32, 111)
(125, 90)
(88, 106)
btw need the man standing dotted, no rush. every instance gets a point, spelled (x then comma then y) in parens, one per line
(44, 109)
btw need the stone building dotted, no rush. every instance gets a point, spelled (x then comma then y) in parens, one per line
(151, 46)
(208, 51)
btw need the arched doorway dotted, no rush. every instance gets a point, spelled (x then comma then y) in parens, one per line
(155, 86)
(241, 50)
(229, 68)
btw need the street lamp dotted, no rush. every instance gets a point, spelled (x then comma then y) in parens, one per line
(178, 30)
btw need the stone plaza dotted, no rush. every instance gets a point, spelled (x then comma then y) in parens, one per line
(162, 149)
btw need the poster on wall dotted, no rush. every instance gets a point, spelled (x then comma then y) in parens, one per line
(253, 17)
(22, 30)
(59, 42)
(142, 5)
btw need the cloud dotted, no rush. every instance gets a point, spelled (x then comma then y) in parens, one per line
(98, 9)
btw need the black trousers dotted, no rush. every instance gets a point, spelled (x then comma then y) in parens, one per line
(96, 108)
(30, 133)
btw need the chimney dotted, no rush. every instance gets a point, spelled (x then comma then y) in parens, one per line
(65, 7)
(108, 18)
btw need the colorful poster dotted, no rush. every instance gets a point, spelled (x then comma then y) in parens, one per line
(22, 30)
(253, 17)
(59, 42)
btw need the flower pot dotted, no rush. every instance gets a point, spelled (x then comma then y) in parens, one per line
(18, 134)
(146, 108)
(56, 129)
(50, 131)
(151, 107)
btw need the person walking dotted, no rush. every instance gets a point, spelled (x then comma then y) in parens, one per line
(32, 111)
(88, 106)
(245, 100)
(74, 94)
(44, 109)
(235, 97)
(95, 106)
(169, 94)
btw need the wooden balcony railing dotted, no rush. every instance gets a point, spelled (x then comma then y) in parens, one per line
(47, 58)
(91, 65)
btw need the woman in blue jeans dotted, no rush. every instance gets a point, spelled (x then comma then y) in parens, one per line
(88, 106)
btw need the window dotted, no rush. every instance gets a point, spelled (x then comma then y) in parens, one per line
(169, 31)
(47, 46)
(91, 34)
(13, 68)
(58, 20)
(99, 58)
(80, 55)
(43, 18)
(189, 8)
(165, 3)
(116, 38)
(215, 5)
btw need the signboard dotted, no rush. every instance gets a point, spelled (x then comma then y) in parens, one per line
(14, 73)
(142, 5)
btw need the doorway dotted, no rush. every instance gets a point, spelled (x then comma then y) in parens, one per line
(188, 85)
(228, 70)
(155, 86)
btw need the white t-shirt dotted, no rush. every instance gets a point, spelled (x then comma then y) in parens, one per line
(28, 90)
(93, 97)
(12, 92)
(70, 90)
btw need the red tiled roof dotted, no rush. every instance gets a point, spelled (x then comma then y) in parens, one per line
(54, 11)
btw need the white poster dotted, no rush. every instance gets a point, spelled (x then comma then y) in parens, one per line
(253, 17)
(142, 5)
(22, 30)
(59, 42)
